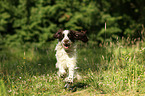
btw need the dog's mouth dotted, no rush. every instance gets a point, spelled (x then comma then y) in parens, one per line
(66, 46)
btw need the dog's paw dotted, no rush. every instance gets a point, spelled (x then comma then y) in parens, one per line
(68, 79)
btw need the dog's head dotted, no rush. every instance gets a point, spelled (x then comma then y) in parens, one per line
(67, 37)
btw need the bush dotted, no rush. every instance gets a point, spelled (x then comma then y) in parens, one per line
(35, 21)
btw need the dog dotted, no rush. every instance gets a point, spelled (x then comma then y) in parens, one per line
(66, 52)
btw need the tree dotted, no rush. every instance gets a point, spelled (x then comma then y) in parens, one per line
(35, 21)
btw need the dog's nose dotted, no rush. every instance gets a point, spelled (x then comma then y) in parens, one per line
(66, 41)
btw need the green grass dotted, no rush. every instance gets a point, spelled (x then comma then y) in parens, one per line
(110, 69)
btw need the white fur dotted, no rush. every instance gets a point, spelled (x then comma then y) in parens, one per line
(66, 58)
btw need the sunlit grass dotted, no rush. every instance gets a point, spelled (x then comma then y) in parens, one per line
(112, 68)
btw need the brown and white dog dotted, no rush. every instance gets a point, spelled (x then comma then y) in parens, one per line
(66, 52)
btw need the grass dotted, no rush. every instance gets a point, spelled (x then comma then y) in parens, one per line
(110, 69)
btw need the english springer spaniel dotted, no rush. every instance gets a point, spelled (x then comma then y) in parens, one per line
(66, 52)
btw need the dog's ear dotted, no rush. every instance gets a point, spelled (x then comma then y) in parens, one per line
(81, 36)
(58, 34)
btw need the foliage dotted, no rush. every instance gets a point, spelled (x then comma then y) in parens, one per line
(25, 22)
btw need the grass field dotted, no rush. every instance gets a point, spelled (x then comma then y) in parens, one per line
(111, 69)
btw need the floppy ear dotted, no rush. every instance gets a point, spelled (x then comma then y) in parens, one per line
(58, 34)
(81, 36)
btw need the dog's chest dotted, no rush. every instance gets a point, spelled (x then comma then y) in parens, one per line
(64, 58)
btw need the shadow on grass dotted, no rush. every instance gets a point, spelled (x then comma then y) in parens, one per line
(76, 86)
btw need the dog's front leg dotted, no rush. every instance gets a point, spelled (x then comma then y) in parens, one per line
(70, 77)
(71, 74)
(69, 81)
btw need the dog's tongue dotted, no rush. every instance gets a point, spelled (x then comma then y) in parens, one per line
(66, 47)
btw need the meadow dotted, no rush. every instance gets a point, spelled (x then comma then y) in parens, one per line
(110, 68)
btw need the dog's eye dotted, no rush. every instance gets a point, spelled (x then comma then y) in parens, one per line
(68, 35)
(63, 35)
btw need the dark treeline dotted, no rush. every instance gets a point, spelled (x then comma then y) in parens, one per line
(35, 21)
